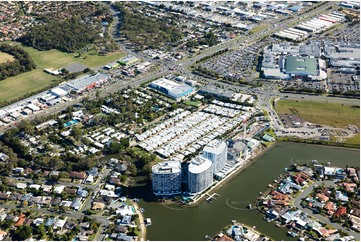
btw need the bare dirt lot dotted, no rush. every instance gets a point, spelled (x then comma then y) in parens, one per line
(4, 57)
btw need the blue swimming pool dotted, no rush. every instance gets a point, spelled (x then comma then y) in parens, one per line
(70, 123)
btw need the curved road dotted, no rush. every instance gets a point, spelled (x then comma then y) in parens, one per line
(320, 217)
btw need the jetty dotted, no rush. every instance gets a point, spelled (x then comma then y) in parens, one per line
(212, 197)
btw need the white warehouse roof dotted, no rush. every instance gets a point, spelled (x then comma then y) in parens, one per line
(58, 91)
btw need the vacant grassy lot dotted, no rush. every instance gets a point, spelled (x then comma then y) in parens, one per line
(96, 60)
(55, 59)
(4, 57)
(333, 114)
(32, 81)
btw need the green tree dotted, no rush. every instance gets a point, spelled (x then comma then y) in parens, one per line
(76, 132)
(97, 94)
(123, 178)
(133, 169)
(22, 233)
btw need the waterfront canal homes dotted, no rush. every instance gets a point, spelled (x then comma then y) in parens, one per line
(240, 232)
(315, 202)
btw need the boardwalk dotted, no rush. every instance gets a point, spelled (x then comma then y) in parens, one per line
(212, 197)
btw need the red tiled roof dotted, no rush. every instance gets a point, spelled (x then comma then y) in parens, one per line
(340, 211)
(279, 196)
(349, 186)
(298, 179)
(20, 221)
(322, 197)
(224, 238)
(79, 175)
(329, 206)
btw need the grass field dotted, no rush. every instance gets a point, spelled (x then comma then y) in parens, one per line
(333, 114)
(95, 60)
(258, 29)
(191, 103)
(4, 57)
(55, 59)
(353, 140)
(32, 81)
(35, 80)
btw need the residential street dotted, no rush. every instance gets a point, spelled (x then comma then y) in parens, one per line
(323, 219)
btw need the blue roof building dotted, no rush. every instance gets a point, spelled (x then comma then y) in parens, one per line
(171, 89)
(50, 222)
(295, 8)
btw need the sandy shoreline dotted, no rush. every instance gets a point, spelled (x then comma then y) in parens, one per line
(141, 221)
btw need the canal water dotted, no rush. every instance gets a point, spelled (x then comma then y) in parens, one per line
(179, 223)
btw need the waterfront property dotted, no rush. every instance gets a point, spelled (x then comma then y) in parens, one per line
(240, 232)
(166, 178)
(216, 151)
(200, 175)
(236, 194)
(301, 193)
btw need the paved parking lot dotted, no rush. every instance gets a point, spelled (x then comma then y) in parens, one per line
(343, 83)
(291, 120)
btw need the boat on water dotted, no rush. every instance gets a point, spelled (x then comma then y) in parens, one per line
(249, 206)
(142, 210)
(292, 234)
(148, 222)
(267, 219)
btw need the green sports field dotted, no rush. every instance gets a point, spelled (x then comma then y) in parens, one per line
(17, 86)
(55, 59)
(191, 103)
(35, 80)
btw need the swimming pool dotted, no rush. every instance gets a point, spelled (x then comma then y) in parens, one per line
(74, 121)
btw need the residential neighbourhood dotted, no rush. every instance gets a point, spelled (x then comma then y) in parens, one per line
(330, 192)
